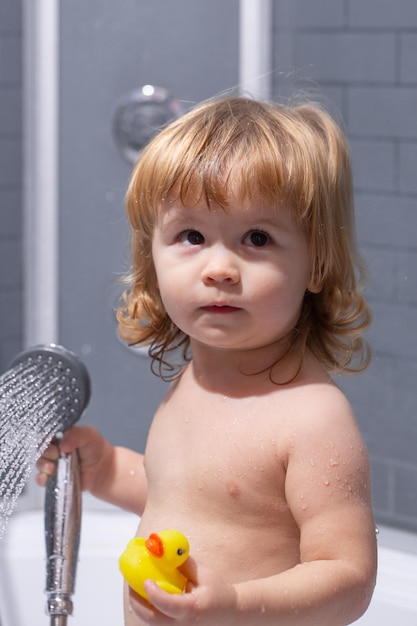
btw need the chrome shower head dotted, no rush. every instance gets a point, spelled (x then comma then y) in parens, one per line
(62, 371)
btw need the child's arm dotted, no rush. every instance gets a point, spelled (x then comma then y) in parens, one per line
(328, 492)
(108, 472)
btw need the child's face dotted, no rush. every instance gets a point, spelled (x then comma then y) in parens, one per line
(231, 280)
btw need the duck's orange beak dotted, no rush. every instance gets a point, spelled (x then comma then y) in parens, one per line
(154, 545)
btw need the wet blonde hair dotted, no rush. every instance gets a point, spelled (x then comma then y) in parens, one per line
(292, 154)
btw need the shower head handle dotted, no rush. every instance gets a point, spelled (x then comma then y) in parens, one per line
(63, 513)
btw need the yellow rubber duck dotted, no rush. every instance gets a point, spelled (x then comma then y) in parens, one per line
(158, 558)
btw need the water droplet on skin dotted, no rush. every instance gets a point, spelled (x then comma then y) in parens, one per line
(332, 463)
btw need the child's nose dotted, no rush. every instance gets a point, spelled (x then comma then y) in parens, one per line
(221, 267)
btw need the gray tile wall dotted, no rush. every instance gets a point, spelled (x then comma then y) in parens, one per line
(10, 180)
(362, 56)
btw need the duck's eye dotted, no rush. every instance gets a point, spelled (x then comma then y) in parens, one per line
(180, 551)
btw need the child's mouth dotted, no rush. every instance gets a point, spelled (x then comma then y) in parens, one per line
(220, 308)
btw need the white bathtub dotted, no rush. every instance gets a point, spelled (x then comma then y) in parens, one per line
(98, 597)
(394, 602)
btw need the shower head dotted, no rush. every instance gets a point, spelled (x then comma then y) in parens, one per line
(65, 375)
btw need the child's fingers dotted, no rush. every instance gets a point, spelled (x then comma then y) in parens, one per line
(51, 453)
(77, 437)
(190, 571)
(46, 464)
(42, 478)
(46, 468)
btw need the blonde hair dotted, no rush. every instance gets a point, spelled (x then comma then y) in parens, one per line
(293, 154)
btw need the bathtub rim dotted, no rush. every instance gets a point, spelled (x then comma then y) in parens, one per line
(396, 538)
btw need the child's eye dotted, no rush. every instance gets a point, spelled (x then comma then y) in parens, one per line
(191, 238)
(257, 238)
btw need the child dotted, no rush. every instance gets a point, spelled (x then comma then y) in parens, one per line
(244, 258)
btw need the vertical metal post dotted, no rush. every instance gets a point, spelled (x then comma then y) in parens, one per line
(40, 132)
(255, 48)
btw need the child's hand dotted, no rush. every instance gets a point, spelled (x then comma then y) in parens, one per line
(46, 465)
(92, 448)
(209, 600)
(112, 473)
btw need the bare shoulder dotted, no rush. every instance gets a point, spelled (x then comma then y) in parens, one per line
(324, 429)
(325, 403)
(320, 406)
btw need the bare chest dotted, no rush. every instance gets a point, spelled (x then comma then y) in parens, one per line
(216, 471)
(228, 457)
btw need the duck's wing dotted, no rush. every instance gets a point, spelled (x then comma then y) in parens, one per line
(175, 582)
